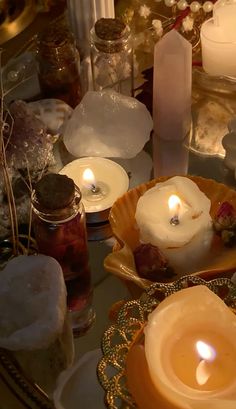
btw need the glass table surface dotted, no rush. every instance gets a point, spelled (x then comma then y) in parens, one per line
(107, 288)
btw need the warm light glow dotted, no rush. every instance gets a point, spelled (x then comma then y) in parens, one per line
(174, 203)
(207, 354)
(205, 351)
(88, 178)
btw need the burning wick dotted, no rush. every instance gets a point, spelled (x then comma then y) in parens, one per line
(89, 178)
(207, 354)
(93, 191)
(174, 206)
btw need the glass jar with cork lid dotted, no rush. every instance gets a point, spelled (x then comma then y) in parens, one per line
(59, 228)
(58, 64)
(112, 56)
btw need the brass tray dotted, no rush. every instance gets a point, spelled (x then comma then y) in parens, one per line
(131, 318)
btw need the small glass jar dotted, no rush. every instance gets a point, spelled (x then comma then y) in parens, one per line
(112, 56)
(58, 65)
(59, 228)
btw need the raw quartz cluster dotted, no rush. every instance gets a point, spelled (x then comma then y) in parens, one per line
(108, 124)
(34, 323)
(29, 144)
(28, 149)
(225, 223)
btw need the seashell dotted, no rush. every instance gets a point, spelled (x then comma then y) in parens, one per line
(52, 112)
(122, 220)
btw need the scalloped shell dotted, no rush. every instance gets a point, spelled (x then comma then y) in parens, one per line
(122, 219)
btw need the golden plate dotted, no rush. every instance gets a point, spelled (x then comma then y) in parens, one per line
(122, 219)
(120, 336)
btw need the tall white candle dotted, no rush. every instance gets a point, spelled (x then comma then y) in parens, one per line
(218, 40)
(82, 16)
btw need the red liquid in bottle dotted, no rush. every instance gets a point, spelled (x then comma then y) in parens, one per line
(67, 243)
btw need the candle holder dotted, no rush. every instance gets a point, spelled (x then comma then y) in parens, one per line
(213, 108)
(122, 218)
(129, 325)
(107, 182)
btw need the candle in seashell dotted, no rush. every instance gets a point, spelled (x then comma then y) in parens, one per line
(175, 216)
(188, 363)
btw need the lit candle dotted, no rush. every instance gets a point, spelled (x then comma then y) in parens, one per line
(175, 216)
(174, 203)
(218, 40)
(189, 354)
(100, 180)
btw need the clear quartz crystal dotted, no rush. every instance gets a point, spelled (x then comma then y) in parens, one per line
(172, 87)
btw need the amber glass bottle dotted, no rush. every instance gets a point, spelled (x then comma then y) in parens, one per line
(58, 64)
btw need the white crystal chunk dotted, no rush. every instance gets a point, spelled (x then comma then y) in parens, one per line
(108, 124)
(32, 302)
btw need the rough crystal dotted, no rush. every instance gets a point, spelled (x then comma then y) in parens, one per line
(108, 124)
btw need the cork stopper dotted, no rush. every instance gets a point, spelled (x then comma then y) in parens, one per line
(55, 191)
(110, 34)
(109, 29)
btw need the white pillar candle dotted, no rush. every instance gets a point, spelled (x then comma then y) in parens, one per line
(187, 242)
(191, 360)
(82, 16)
(100, 180)
(218, 40)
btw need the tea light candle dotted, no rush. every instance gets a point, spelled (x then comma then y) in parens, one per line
(192, 359)
(100, 180)
(218, 40)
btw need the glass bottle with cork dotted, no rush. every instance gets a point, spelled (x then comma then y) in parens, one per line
(58, 64)
(112, 56)
(59, 228)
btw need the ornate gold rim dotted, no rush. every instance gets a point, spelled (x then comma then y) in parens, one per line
(131, 319)
(26, 392)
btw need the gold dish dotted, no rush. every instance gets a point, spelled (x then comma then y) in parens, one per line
(119, 337)
(122, 220)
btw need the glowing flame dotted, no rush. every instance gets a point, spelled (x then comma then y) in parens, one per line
(205, 351)
(207, 354)
(88, 178)
(174, 203)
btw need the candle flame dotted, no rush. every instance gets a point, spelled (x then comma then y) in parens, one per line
(89, 178)
(207, 354)
(174, 203)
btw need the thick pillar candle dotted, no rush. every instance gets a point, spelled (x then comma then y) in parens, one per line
(218, 40)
